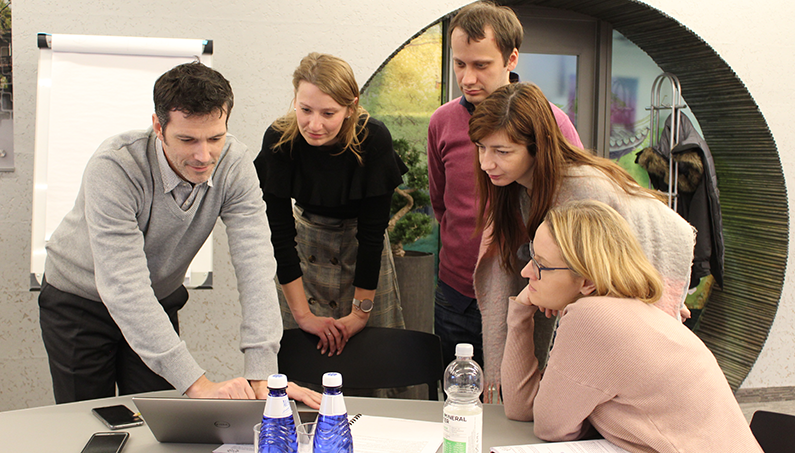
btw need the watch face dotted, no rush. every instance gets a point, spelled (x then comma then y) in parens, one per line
(365, 305)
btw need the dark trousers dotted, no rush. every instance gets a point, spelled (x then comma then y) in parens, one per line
(87, 353)
(455, 324)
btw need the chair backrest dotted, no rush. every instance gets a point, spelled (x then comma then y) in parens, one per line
(775, 432)
(376, 357)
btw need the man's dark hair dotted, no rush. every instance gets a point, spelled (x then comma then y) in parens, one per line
(475, 17)
(193, 89)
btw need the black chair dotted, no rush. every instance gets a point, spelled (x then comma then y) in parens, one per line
(376, 357)
(775, 432)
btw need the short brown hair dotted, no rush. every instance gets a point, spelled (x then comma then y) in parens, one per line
(475, 17)
(193, 89)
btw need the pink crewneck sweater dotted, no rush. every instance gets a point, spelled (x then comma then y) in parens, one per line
(636, 374)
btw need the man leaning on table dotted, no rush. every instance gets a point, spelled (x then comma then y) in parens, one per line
(115, 265)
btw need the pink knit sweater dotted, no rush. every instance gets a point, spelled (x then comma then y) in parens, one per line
(666, 239)
(636, 374)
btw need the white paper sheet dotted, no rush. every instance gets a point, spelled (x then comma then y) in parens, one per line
(235, 448)
(373, 434)
(113, 94)
(91, 88)
(582, 446)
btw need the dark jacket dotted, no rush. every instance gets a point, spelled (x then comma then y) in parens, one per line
(699, 201)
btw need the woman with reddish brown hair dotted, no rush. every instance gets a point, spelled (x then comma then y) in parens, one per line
(528, 167)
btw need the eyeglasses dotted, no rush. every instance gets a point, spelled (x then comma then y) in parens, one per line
(526, 254)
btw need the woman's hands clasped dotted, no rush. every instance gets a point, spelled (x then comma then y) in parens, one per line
(333, 333)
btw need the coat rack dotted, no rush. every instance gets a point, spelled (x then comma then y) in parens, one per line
(675, 106)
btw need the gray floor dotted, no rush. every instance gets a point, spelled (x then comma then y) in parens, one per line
(774, 399)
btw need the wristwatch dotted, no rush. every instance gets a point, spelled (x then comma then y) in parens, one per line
(365, 305)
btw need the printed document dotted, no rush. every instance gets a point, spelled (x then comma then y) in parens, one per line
(582, 446)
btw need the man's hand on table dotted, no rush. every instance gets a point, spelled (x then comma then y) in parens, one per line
(239, 388)
(294, 391)
(307, 396)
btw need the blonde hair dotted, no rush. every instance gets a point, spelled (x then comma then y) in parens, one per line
(334, 77)
(597, 244)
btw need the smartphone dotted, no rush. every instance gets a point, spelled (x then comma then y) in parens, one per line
(106, 442)
(117, 417)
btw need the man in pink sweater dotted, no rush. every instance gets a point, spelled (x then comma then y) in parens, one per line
(484, 39)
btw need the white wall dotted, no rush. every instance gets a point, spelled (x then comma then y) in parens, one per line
(756, 40)
(257, 45)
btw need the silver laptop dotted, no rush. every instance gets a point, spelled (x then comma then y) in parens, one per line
(201, 421)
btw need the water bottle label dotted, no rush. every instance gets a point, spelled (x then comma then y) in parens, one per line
(333, 405)
(462, 432)
(278, 407)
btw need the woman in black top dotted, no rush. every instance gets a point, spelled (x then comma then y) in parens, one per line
(339, 166)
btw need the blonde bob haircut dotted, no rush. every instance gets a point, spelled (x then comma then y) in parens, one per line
(597, 244)
(334, 77)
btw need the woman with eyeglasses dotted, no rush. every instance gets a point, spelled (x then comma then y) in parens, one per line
(619, 365)
(527, 168)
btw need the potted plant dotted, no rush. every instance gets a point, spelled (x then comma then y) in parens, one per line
(409, 222)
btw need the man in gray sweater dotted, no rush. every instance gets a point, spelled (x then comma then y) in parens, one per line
(116, 263)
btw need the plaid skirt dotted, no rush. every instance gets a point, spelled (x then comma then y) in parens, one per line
(327, 248)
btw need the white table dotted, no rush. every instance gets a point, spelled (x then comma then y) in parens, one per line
(67, 427)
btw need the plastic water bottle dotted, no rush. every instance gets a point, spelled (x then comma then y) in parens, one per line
(277, 433)
(463, 411)
(332, 434)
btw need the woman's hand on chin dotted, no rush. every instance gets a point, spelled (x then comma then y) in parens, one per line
(524, 299)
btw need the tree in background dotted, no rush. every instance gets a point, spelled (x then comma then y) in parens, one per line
(6, 104)
(409, 222)
(407, 89)
(403, 94)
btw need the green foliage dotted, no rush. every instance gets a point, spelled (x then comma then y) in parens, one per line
(407, 90)
(6, 80)
(410, 226)
(5, 16)
(403, 94)
(416, 180)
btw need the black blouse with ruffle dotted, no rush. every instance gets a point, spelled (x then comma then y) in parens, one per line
(324, 182)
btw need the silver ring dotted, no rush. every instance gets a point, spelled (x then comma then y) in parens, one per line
(328, 334)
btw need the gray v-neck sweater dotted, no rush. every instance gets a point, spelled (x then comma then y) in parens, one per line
(127, 243)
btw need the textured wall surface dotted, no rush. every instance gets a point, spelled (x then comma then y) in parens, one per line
(756, 41)
(257, 45)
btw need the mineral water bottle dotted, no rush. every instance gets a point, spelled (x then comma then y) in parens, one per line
(277, 433)
(332, 434)
(463, 412)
